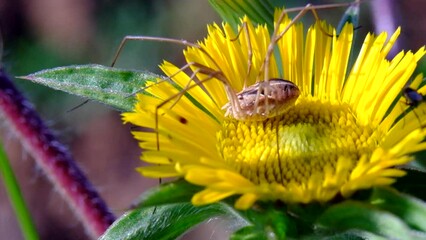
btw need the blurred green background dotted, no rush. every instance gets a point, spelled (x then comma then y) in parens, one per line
(50, 33)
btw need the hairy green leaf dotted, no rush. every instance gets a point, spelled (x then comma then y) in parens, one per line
(161, 223)
(111, 86)
(411, 210)
(172, 192)
(265, 221)
(351, 215)
(259, 11)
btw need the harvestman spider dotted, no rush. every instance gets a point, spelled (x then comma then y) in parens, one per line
(262, 100)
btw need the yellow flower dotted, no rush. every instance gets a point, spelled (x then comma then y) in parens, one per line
(348, 129)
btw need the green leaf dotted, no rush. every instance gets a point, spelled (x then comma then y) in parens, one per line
(165, 212)
(111, 86)
(307, 212)
(351, 215)
(163, 222)
(351, 15)
(419, 163)
(249, 233)
(411, 210)
(413, 182)
(172, 192)
(259, 11)
(348, 235)
(266, 221)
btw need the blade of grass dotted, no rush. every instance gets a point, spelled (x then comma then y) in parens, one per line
(16, 200)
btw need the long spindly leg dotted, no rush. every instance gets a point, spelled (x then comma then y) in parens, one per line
(197, 68)
(169, 78)
(406, 111)
(244, 28)
(183, 42)
(276, 35)
(211, 75)
(126, 39)
(187, 66)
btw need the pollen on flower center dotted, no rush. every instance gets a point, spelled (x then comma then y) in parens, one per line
(311, 136)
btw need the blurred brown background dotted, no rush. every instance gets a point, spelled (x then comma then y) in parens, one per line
(50, 33)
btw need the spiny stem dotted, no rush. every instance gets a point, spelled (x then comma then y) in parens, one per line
(54, 159)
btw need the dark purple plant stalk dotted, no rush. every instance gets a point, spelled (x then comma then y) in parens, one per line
(54, 159)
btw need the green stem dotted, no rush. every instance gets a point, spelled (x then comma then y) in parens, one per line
(16, 199)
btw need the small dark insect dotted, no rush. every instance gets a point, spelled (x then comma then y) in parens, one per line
(412, 97)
